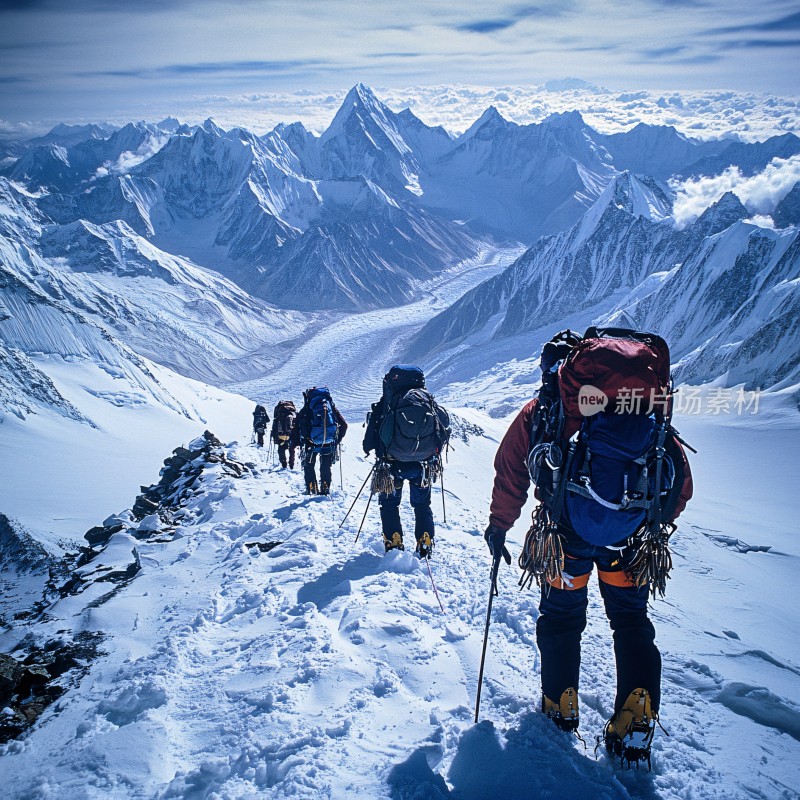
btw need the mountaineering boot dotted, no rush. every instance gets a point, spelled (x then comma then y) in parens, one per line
(564, 713)
(629, 733)
(311, 487)
(324, 488)
(393, 543)
(424, 547)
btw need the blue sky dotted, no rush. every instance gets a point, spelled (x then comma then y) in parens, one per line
(112, 59)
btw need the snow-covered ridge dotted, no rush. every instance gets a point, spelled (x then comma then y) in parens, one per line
(165, 307)
(723, 292)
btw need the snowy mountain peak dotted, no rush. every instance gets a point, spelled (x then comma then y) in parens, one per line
(169, 124)
(636, 195)
(572, 84)
(645, 129)
(565, 119)
(787, 212)
(290, 129)
(361, 95)
(488, 124)
(721, 215)
(209, 126)
(359, 107)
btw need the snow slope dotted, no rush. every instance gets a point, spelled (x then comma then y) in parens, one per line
(322, 668)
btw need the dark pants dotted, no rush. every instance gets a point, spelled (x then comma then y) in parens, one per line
(283, 447)
(309, 469)
(420, 501)
(562, 618)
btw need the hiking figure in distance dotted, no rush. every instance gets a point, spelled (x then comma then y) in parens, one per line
(283, 419)
(318, 430)
(260, 420)
(610, 476)
(408, 430)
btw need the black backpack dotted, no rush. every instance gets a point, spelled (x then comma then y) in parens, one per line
(285, 413)
(413, 426)
(260, 418)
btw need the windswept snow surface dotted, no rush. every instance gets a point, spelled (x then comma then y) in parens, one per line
(323, 668)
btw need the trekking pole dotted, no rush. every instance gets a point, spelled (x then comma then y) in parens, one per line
(492, 593)
(341, 474)
(357, 496)
(444, 510)
(363, 519)
(430, 575)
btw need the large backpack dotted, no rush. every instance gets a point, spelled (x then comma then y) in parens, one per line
(323, 429)
(603, 454)
(414, 427)
(260, 418)
(285, 413)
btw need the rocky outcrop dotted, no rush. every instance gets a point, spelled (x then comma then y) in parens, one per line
(157, 509)
(35, 676)
(36, 673)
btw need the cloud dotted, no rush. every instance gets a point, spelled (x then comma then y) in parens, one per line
(487, 25)
(511, 19)
(20, 130)
(92, 6)
(757, 43)
(130, 159)
(759, 193)
(789, 23)
(207, 68)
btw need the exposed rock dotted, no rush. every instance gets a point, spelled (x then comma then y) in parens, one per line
(29, 684)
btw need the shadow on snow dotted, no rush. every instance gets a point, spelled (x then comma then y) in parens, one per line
(532, 760)
(336, 580)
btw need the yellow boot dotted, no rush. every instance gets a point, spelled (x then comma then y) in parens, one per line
(629, 733)
(565, 712)
(395, 542)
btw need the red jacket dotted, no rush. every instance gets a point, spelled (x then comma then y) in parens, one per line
(512, 480)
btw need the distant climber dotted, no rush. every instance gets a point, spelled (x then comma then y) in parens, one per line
(408, 430)
(319, 429)
(610, 476)
(283, 420)
(260, 420)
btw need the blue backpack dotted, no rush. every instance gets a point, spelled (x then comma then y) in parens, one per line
(323, 429)
(611, 481)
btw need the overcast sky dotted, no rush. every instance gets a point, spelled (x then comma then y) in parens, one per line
(76, 60)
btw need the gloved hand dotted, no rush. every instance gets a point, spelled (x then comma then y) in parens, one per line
(496, 539)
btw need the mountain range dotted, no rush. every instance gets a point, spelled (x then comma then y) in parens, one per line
(723, 291)
(212, 252)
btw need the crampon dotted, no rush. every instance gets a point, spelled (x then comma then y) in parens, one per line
(629, 734)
